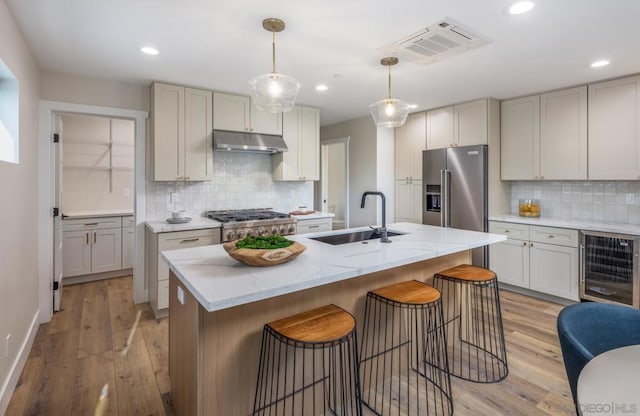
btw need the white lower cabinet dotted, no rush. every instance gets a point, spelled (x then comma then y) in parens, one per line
(314, 225)
(128, 246)
(92, 245)
(157, 269)
(408, 198)
(543, 259)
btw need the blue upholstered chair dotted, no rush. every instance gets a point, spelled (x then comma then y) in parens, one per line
(589, 329)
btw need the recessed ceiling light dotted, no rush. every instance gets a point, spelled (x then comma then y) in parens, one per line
(600, 63)
(520, 7)
(321, 87)
(149, 50)
(413, 106)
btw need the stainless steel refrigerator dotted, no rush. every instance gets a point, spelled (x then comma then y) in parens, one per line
(455, 191)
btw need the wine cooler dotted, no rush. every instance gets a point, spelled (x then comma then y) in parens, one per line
(609, 268)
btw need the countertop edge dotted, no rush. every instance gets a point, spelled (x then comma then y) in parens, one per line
(158, 227)
(81, 214)
(586, 225)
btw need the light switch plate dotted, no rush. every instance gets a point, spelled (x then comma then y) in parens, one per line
(180, 295)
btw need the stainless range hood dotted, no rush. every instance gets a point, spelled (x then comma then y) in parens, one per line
(233, 141)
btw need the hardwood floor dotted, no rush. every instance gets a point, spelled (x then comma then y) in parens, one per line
(81, 349)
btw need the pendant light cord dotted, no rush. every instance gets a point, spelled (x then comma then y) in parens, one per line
(389, 98)
(273, 49)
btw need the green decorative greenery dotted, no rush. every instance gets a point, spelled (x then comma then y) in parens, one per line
(268, 243)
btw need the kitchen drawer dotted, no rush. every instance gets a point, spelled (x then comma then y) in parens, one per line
(511, 230)
(91, 223)
(314, 226)
(188, 239)
(557, 236)
(163, 294)
(128, 221)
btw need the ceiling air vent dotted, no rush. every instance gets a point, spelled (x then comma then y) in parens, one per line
(438, 41)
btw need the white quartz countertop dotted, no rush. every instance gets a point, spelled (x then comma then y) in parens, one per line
(220, 282)
(196, 223)
(608, 227)
(314, 216)
(95, 214)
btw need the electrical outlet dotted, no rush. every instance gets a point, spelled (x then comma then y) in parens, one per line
(174, 197)
(7, 345)
(126, 192)
(630, 199)
(180, 295)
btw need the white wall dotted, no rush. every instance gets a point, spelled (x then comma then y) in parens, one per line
(86, 183)
(362, 165)
(18, 205)
(240, 180)
(68, 88)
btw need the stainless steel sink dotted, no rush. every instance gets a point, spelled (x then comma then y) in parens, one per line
(353, 237)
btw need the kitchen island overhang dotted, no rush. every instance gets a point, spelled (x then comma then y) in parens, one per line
(215, 325)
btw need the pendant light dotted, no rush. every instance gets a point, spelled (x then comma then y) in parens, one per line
(275, 93)
(389, 112)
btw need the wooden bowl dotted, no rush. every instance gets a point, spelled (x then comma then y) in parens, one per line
(264, 257)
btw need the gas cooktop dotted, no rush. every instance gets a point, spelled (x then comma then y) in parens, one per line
(255, 214)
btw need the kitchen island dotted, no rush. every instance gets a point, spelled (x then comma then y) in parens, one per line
(218, 306)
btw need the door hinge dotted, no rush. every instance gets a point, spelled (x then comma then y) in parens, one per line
(56, 138)
(56, 285)
(56, 212)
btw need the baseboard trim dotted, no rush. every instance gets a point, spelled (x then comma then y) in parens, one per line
(74, 280)
(16, 369)
(534, 294)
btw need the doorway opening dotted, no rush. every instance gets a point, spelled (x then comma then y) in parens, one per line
(105, 158)
(94, 231)
(335, 180)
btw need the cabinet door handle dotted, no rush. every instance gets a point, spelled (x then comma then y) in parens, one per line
(314, 226)
(190, 240)
(524, 244)
(87, 237)
(95, 237)
(530, 244)
(91, 224)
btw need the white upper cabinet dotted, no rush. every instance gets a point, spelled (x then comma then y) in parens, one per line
(563, 134)
(238, 113)
(410, 141)
(182, 133)
(520, 138)
(301, 133)
(470, 123)
(440, 128)
(458, 125)
(614, 131)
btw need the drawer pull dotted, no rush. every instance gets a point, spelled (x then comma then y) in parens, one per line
(524, 244)
(91, 224)
(190, 240)
(314, 226)
(507, 231)
(550, 236)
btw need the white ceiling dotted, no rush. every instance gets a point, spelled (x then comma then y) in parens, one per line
(220, 44)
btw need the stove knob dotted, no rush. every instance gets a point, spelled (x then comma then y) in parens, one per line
(241, 233)
(283, 229)
(274, 230)
(251, 233)
(262, 231)
(292, 228)
(230, 236)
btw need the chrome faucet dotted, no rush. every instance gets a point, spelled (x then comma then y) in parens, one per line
(382, 230)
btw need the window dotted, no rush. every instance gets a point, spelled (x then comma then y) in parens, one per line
(9, 115)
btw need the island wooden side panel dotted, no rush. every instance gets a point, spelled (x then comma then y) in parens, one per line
(230, 339)
(184, 349)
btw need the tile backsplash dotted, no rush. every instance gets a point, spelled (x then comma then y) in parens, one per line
(240, 180)
(600, 201)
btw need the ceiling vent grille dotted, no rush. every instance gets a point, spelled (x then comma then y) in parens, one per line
(436, 42)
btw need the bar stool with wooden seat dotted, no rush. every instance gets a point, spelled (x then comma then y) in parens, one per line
(476, 347)
(403, 365)
(309, 365)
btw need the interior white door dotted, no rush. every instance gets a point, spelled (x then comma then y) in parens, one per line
(57, 220)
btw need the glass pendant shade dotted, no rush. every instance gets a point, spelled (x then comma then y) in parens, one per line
(389, 112)
(275, 93)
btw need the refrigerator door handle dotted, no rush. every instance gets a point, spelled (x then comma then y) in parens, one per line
(442, 198)
(447, 199)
